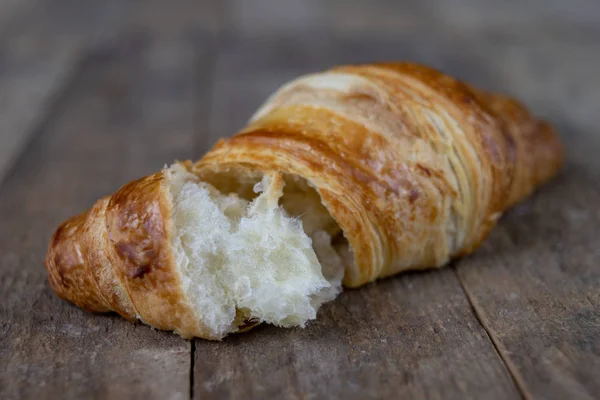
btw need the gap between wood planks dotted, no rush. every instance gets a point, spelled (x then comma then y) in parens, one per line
(192, 356)
(510, 367)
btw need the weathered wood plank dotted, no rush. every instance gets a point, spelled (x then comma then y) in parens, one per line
(41, 45)
(535, 282)
(131, 110)
(204, 16)
(10, 10)
(412, 336)
(527, 18)
(535, 285)
(32, 70)
(272, 17)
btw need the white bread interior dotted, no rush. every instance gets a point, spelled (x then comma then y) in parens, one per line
(245, 259)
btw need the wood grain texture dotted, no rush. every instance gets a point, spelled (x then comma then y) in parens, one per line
(272, 17)
(528, 18)
(424, 343)
(152, 93)
(10, 11)
(34, 66)
(110, 129)
(535, 284)
(41, 45)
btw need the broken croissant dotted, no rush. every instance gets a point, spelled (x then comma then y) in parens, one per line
(345, 176)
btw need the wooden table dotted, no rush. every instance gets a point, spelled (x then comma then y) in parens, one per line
(94, 94)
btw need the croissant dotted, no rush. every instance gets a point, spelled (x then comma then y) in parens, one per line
(340, 178)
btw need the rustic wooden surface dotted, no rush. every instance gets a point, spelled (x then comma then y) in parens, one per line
(94, 94)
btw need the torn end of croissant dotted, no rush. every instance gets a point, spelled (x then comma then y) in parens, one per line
(246, 260)
(179, 254)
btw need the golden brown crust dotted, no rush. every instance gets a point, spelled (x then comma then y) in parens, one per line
(415, 166)
(117, 257)
(68, 269)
